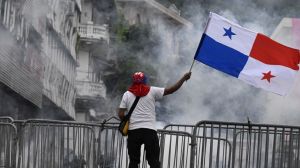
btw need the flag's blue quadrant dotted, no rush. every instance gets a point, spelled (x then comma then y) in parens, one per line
(220, 57)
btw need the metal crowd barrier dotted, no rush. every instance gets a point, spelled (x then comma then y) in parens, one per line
(175, 148)
(6, 119)
(112, 148)
(250, 145)
(208, 144)
(49, 144)
(8, 144)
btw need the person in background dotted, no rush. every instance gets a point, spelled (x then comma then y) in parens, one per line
(142, 128)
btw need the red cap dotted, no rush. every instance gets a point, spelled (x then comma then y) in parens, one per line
(138, 77)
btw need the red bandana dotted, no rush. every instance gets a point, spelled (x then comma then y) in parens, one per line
(139, 89)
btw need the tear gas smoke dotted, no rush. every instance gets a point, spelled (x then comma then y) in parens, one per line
(212, 95)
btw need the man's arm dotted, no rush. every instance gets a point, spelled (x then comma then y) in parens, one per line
(178, 84)
(121, 113)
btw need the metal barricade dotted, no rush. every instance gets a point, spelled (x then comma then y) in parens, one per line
(226, 144)
(5, 119)
(48, 144)
(208, 144)
(111, 147)
(175, 148)
(8, 145)
(180, 127)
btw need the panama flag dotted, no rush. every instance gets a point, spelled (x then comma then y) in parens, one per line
(249, 56)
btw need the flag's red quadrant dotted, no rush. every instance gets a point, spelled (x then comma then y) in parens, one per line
(273, 53)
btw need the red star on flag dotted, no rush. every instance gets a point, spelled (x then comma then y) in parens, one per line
(267, 76)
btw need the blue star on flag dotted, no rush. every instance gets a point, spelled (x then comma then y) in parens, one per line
(228, 32)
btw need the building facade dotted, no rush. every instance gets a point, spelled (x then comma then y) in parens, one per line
(38, 58)
(59, 43)
(93, 52)
(20, 77)
(53, 53)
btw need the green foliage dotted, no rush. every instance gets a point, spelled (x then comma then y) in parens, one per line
(118, 82)
(132, 46)
(122, 31)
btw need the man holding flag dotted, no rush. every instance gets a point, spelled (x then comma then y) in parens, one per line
(142, 129)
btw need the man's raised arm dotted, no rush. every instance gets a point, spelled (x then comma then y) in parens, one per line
(178, 84)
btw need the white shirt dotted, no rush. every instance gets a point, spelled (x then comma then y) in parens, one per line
(143, 116)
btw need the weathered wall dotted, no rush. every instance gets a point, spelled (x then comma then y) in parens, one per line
(37, 53)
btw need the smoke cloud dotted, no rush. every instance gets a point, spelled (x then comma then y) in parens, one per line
(212, 95)
(209, 94)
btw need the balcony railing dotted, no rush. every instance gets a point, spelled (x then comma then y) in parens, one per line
(90, 89)
(91, 31)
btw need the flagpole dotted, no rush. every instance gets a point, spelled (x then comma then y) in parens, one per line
(200, 42)
(192, 65)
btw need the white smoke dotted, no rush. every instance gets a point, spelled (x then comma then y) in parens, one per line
(212, 95)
